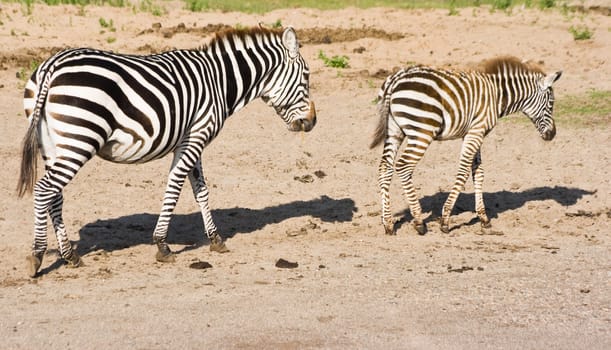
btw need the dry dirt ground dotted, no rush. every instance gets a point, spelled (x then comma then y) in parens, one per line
(540, 279)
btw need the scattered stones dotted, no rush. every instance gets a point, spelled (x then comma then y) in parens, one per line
(580, 212)
(303, 230)
(304, 178)
(461, 269)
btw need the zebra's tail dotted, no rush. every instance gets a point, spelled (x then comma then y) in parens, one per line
(29, 152)
(381, 130)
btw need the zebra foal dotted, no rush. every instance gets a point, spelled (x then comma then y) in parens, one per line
(423, 104)
(134, 109)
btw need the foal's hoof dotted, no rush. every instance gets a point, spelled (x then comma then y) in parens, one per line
(390, 230)
(74, 261)
(168, 257)
(420, 228)
(486, 224)
(34, 263)
(219, 247)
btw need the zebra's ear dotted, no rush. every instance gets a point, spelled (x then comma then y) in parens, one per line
(547, 82)
(289, 40)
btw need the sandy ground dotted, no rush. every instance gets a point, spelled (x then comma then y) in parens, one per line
(539, 279)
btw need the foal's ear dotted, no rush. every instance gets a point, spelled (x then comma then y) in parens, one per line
(289, 40)
(549, 79)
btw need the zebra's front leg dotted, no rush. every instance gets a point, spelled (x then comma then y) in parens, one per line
(183, 162)
(200, 191)
(477, 172)
(172, 192)
(471, 146)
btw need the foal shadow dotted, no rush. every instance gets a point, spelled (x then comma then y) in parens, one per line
(127, 231)
(496, 202)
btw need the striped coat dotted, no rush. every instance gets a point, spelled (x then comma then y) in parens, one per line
(133, 109)
(420, 104)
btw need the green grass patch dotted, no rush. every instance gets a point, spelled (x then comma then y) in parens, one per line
(591, 108)
(262, 6)
(335, 61)
(587, 110)
(580, 33)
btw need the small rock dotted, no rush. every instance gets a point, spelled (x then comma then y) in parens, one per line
(285, 264)
(304, 179)
(320, 174)
(200, 265)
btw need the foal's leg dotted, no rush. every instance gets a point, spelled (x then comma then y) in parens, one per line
(184, 160)
(414, 151)
(200, 191)
(471, 146)
(391, 146)
(477, 172)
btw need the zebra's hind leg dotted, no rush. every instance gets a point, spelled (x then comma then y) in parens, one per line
(65, 247)
(48, 199)
(477, 172)
(470, 147)
(200, 191)
(391, 145)
(414, 151)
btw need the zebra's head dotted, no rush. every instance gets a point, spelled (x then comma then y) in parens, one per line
(288, 88)
(540, 106)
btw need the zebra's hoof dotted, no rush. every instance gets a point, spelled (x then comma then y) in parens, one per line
(74, 261)
(420, 228)
(168, 257)
(390, 230)
(445, 228)
(219, 247)
(486, 224)
(34, 263)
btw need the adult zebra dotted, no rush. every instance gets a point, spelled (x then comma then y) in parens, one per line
(424, 104)
(133, 109)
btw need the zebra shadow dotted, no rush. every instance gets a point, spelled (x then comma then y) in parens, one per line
(496, 202)
(126, 231)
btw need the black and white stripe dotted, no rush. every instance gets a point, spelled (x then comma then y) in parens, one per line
(133, 109)
(422, 104)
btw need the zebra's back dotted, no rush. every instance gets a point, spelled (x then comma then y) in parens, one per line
(439, 104)
(128, 108)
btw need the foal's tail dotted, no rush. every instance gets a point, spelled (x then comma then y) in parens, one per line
(386, 90)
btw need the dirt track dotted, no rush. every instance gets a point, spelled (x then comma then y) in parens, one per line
(538, 279)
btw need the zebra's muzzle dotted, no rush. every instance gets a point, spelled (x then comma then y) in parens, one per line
(549, 134)
(305, 124)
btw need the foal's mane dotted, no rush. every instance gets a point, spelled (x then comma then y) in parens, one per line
(239, 35)
(511, 63)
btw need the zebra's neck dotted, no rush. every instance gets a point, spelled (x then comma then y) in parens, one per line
(241, 65)
(514, 90)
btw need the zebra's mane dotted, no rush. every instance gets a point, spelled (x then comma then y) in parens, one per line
(238, 36)
(510, 63)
